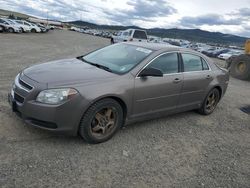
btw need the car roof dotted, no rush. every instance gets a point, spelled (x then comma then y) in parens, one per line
(154, 46)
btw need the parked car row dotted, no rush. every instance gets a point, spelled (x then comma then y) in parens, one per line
(101, 33)
(221, 53)
(21, 26)
(137, 35)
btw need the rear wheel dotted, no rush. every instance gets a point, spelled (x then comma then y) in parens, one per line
(101, 121)
(210, 102)
(33, 31)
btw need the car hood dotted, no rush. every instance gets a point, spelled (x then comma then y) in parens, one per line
(65, 72)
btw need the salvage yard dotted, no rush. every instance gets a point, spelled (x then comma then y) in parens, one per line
(183, 150)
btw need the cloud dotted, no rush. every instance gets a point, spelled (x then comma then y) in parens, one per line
(242, 12)
(142, 13)
(141, 10)
(149, 9)
(209, 19)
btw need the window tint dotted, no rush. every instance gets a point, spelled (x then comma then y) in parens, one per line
(120, 58)
(191, 63)
(140, 34)
(1, 21)
(167, 63)
(130, 32)
(125, 33)
(204, 64)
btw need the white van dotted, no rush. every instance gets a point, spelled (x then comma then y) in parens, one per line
(135, 35)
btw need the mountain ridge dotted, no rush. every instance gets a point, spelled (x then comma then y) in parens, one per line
(196, 35)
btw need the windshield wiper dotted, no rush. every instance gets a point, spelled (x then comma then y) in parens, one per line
(98, 65)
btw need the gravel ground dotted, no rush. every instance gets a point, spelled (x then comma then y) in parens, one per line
(183, 150)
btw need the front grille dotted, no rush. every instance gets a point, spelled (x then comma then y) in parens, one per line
(25, 85)
(18, 98)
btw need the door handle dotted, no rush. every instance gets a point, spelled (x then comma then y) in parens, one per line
(176, 80)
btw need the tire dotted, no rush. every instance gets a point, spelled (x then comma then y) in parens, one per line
(22, 30)
(111, 40)
(205, 110)
(33, 31)
(240, 67)
(2, 29)
(11, 30)
(98, 118)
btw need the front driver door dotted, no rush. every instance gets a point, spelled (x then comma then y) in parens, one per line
(157, 94)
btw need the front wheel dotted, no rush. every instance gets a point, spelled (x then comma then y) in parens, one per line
(33, 31)
(11, 30)
(101, 121)
(210, 102)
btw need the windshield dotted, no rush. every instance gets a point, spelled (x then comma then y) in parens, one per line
(119, 58)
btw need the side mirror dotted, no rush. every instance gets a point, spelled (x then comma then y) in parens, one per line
(151, 72)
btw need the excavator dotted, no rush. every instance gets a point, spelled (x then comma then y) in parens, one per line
(239, 66)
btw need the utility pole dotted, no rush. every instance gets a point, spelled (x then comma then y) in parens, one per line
(47, 17)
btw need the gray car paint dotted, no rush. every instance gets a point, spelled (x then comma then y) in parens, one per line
(141, 98)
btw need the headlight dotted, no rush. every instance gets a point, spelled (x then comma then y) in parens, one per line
(55, 96)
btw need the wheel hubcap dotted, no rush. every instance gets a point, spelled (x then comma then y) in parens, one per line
(242, 67)
(104, 121)
(211, 101)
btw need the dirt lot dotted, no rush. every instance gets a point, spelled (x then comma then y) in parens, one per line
(184, 150)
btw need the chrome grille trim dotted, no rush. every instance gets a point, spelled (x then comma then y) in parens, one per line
(17, 83)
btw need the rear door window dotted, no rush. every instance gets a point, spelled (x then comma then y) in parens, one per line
(140, 34)
(191, 62)
(204, 64)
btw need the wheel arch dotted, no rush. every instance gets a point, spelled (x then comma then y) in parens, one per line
(119, 99)
(219, 89)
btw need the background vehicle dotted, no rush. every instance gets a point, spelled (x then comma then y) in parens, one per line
(43, 28)
(216, 53)
(229, 54)
(9, 26)
(135, 35)
(240, 65)
(24, 27)
(33, 27)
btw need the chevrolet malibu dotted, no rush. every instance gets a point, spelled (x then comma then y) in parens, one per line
(96, 94)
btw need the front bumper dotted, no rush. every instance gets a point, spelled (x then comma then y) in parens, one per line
(61, 118)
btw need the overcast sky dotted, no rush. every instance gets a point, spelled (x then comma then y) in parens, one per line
(227, 16)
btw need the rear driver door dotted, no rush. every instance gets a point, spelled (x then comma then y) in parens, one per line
(197, 76)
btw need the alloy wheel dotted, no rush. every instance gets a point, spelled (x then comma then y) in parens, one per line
(212, 101)
(104, 122)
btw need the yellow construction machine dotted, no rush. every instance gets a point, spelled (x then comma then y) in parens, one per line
(239, 66)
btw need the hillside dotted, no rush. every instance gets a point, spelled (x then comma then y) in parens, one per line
(16, 14)
(195, 35)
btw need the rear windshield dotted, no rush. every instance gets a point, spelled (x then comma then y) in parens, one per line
(119, 58)
(140, 34)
